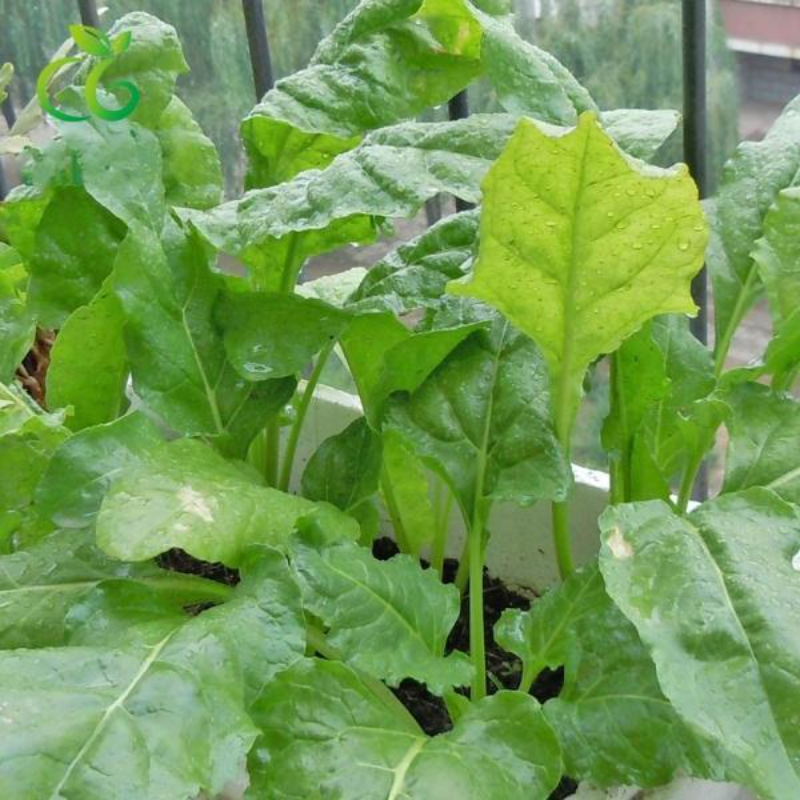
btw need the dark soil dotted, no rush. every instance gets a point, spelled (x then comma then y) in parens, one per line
(178, 561)
(504, 669)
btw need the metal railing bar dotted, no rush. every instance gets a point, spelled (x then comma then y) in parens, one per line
(695, 149)
(258, 43)
(89, 15)
(459, 109)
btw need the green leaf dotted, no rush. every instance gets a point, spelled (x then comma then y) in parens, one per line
(334, 289)
(325, 733)
(76, 243)
(118, 164)
(39, 587)
(28, 438)
(17, 324)
(271, 335)
(345, 468)
(81, 469)
(416, 273)
(91, 41)
(176, 353)
(185, 495)
(152, 63)
(762, 450)
(615, 725)
(406, 487)
(751, 181)
(159, 718)
(664, 415)
(716, 596)
(192, 170)
(391, 174)
(482, 421)
(385, 357)
(777, 256)
(582, 263)
(6, 76)
(89, 364)
(390, 619)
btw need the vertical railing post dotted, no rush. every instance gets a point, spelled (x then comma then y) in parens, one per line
(258, 43)
(695, 149)
(459, 109)
(89, 15)
(695, 128)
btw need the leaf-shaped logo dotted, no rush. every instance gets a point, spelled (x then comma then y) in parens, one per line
(97, 44)
(91, 41)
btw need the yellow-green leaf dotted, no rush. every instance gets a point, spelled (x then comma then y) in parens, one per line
(580, 245)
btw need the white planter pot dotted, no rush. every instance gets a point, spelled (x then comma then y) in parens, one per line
(521, 553)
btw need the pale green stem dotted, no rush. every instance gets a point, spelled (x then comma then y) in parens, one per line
(620, 468)
(394, 513)
(444, 508)
(530, 672)
(290, 451)
(740, 310)
(272, 445)
(477, 645)
(687, 482)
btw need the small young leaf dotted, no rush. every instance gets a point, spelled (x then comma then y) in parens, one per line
(390, 618)
(345, 468)
(185, 495)
(716, 596)
(325, 732)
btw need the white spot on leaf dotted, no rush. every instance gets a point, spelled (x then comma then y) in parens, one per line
(618, 546)
(195, 503)
(796, 562)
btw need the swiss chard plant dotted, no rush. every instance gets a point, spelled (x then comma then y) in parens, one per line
(187, 610)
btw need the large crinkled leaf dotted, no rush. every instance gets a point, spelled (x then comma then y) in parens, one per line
(764, 444)
(751, 181)
(81, 469)
(272, 335)
(28, 438)
(581, 262)
(482, 420)
(160, 718)
(390, 619)
(264, 615)
(88, 368)
(388, 61)
(118, 164)
(391, 174)
(192, 170)
(385, 357)
(176, 352)
(614, 723)
(185, 495)
(326, 734)
(39, 586)
(715, 597)
(416, 273)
